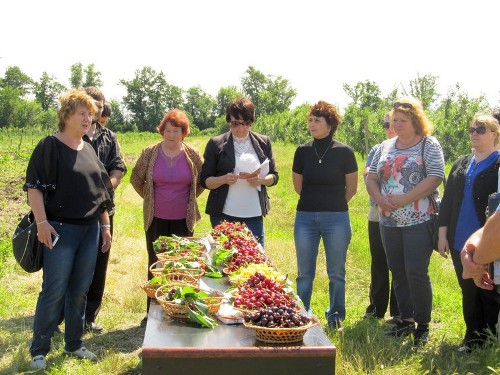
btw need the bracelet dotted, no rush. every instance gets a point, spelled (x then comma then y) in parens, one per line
(41, 222)
(106, 226)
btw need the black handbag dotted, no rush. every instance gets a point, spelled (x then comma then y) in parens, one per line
(28, 251)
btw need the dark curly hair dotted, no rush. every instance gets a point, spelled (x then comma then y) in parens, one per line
(329, 112)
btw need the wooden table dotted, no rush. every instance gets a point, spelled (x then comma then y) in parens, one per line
(172, 347)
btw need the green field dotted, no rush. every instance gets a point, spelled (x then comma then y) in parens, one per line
(361, 347)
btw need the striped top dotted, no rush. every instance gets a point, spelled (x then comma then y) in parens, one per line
(399, 171)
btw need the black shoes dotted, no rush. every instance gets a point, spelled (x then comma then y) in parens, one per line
(421, 335)
(93, 328)
(401, 329)
(405, 328)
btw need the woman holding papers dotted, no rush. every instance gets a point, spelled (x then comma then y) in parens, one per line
(325, 175)
(238, 167)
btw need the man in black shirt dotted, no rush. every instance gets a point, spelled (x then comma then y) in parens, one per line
(107, 148)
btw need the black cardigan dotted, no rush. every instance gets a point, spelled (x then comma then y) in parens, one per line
(485, 184)
(219, 159)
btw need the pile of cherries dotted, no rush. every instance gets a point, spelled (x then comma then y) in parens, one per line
(277, 317)
(226, 228)
(261, 292)
(246, 252)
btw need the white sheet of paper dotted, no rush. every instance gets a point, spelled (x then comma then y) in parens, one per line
(264, 170)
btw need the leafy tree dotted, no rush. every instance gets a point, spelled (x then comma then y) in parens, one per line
(47, 90)
(147, 98)
(76, 77)
(9, 101)
(84, 77)
(423, 88)
(287, 126)
(92, 76)
(224, 96)
(174, 97)
(27, 114)
(362, 116)
(452, 119)
(278, 96)
(253, 83)
(200, 105)
(18, 80)
(268, 94)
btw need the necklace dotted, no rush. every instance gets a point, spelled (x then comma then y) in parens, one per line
(242, 147)
(324, 153)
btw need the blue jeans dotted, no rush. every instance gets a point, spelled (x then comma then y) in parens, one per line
(67, 273)
(255, 224)
(335, 230)
(409, 251)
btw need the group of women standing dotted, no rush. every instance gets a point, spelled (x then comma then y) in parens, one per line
(237, 167)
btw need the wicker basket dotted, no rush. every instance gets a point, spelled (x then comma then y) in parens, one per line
(164, 257)
(158, 269)
(150, 289)
(177, 311)
(279, 335)
(170, 279)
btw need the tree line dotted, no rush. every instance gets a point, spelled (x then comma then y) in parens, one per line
(26, 103)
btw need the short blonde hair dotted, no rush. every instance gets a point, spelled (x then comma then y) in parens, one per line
(490, 123)
(69, 103)
(413, 107)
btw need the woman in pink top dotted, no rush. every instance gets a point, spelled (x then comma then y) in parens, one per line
(166, 176)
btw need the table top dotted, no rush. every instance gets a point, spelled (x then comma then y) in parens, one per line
(168, 337)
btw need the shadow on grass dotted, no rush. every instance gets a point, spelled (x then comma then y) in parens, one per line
(121, 341)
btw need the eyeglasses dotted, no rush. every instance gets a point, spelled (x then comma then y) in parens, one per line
(402, 105)
(235, 123)
(478, 130)
(386, 125)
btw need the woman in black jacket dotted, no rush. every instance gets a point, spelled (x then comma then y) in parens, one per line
(238, 166)
(463, 210)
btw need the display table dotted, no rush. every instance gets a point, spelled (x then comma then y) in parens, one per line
(172, 347)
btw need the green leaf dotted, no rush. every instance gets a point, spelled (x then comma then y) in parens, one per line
(201, 316)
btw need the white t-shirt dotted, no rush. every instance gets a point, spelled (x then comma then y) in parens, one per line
(242, 198)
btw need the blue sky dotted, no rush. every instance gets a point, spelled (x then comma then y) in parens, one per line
(317, 45)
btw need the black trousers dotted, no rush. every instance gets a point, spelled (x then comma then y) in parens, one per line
(162, 227)
(96, 289)
(479, 306)
(379, 285)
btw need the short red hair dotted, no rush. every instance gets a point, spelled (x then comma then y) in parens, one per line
(176, 118)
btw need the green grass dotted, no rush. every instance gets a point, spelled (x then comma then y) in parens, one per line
(361, 348)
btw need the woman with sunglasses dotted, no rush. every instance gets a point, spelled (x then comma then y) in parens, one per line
(471, 180)
(232, 171)
(380, 286)
(401, 179)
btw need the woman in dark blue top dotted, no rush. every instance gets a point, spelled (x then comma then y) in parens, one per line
(463, 210)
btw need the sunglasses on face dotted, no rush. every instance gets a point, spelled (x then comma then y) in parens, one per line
(235, 124)
(402, 105)
(478, 130)
(386, 125)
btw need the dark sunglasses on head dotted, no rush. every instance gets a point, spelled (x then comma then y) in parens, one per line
(478, 130)
(386, 125)
(402, 105)
(235, 124)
